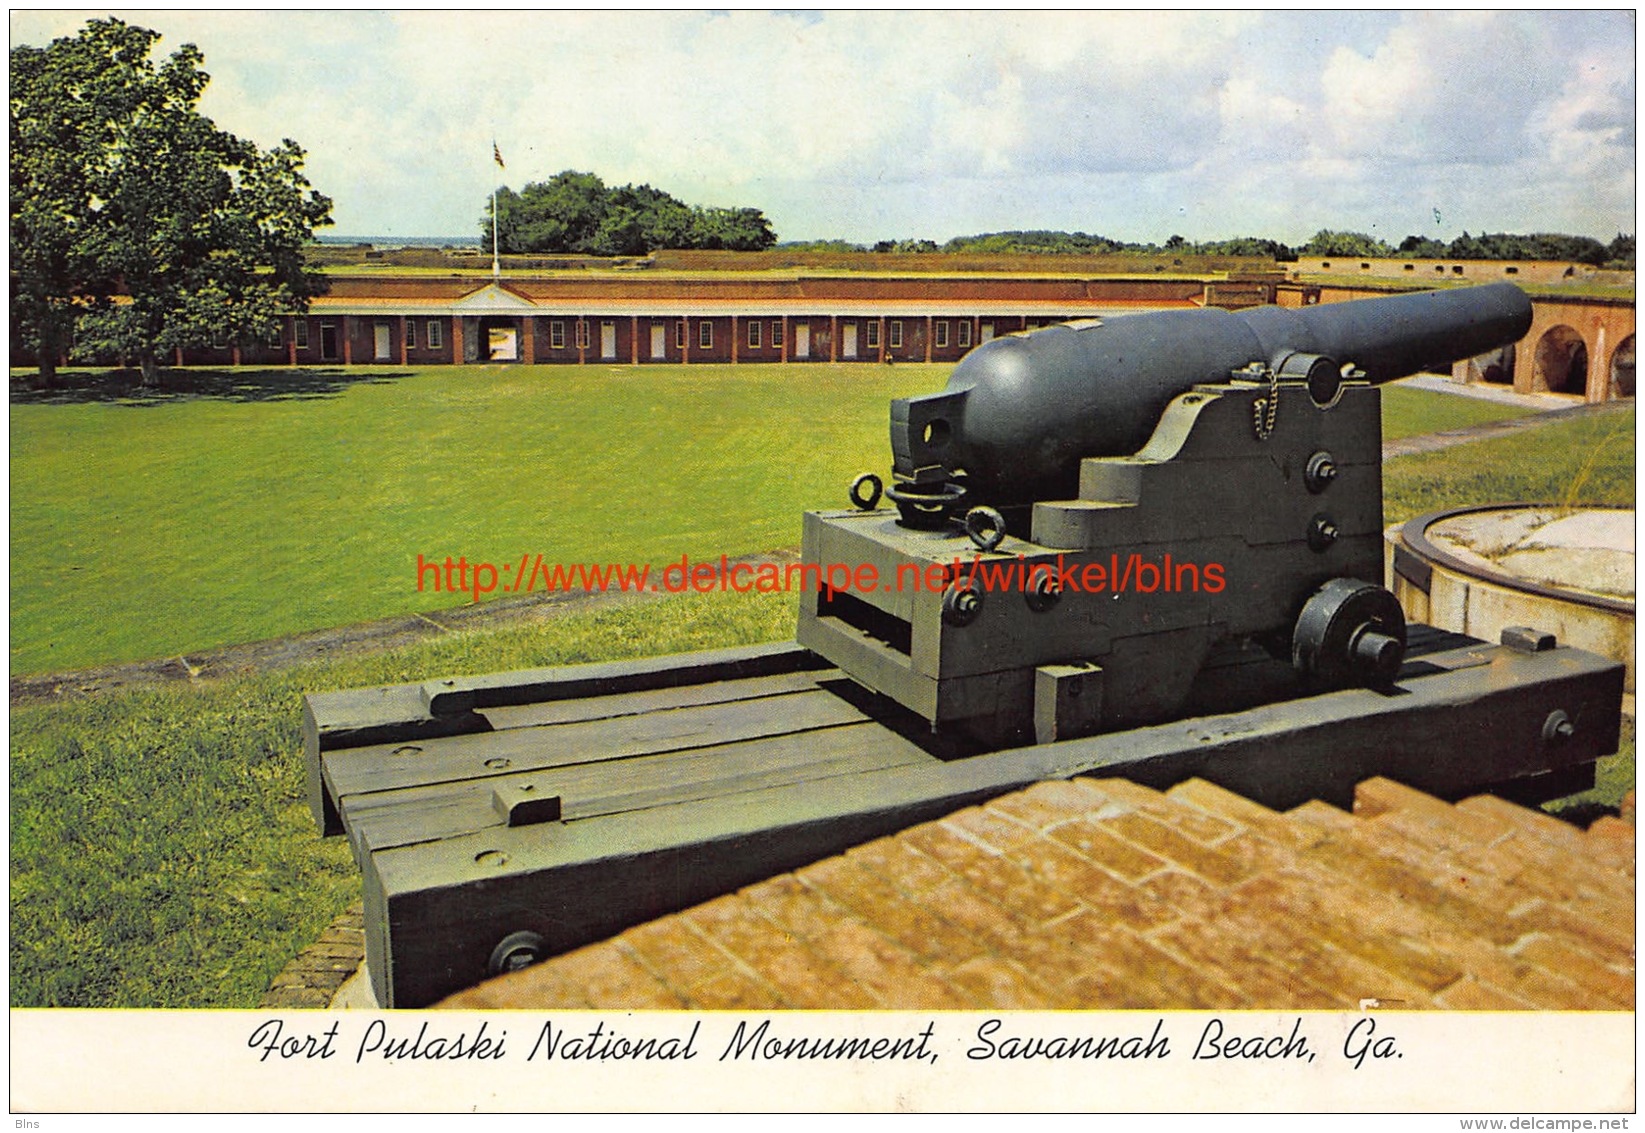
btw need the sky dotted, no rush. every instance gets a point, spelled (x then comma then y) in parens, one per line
(864, 126)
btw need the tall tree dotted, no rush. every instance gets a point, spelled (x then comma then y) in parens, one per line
(176, 233)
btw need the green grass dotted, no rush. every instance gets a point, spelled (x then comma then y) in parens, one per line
(1408, 412)
(1589, 460)
(162, 853)
(145, 530)
(253, 504)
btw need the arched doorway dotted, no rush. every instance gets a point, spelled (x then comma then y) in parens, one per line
(1561, 362)
(1622, 369)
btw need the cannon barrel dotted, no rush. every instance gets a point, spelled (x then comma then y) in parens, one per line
(1019, 413)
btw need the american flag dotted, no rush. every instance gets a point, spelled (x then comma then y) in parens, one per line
(498, 155)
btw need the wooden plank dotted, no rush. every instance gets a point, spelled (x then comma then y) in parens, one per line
(381, 768)
(457, 695)
(447, 904)
(387, 819)
(649, 700)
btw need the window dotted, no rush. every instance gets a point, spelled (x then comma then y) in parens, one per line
(705, 335)
(942, 332)
(679, 335)
(299, 333)
(965, 333)
(753, 334)
(776, 332)
(411, 335)
(556, 335)
(896, 333)
(871, 334)
(219, 340)
(276, 336)
(433, 335)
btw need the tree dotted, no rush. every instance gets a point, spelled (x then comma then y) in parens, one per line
(1328, 243)
(1422, 248)
(576, 213)
(66, 105)
(1620, 253)
(165, 232)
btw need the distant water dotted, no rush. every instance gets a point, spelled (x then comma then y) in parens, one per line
(402, 241)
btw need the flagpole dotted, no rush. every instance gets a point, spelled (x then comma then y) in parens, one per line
(496, 264)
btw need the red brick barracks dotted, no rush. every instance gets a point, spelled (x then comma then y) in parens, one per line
(580, 320)
(1580, 345)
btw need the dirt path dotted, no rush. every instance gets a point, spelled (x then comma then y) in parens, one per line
(389, 633)
(304, 648)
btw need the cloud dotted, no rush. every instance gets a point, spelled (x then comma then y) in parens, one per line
(868, 124)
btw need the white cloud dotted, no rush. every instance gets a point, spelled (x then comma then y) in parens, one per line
(869, 124)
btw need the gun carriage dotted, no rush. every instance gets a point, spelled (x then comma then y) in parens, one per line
(1149, 546)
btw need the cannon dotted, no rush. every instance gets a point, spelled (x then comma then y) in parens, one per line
(1118, 523)
(1021, 412)
(1148, 547)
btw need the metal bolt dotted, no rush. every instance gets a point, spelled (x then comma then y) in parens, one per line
(1320, 473)
(961, 604)
(1557, 728)
(1322, 532)
(1043, 592)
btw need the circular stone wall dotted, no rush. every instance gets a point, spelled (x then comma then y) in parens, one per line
(1569, 571)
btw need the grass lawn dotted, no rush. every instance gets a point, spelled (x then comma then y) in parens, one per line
(1410, 412)
(148, 529)
(250, 504)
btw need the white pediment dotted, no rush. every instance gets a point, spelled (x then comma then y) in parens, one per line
(492, 299)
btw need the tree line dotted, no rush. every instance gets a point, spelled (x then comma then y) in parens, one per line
(577, 213)
(138, 227)
(1619, 253)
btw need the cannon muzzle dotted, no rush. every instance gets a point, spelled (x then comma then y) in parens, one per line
(1020, 413)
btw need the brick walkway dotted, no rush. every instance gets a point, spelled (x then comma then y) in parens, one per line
(1104, 894)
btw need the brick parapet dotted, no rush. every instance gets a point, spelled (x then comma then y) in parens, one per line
(1104, 894)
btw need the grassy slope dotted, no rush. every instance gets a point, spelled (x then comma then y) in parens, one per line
(162, 853)
(1588, 460)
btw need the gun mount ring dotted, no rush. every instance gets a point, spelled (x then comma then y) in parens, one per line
(926, 507)
(866, 501)
(1349, 633)
(986, 527)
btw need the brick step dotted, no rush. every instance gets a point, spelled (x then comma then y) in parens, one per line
(1102, 894)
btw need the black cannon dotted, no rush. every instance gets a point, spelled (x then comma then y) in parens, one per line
(1021, 412)
(1163, 515)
